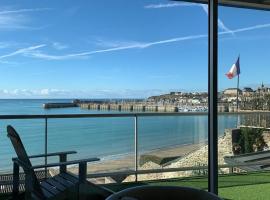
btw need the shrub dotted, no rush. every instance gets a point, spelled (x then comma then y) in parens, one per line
(251, 140)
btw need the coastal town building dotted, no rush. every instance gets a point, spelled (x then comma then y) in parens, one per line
(175, 93)
(247, 91)
(232, 91)
(248, 98)
(263, 90)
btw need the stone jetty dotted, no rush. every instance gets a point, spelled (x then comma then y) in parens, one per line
(136, 107)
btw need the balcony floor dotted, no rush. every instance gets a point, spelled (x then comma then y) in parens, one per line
(252, 186)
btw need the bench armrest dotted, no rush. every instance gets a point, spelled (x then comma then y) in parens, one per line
(53, 154)
(50, 154)
(59, 164)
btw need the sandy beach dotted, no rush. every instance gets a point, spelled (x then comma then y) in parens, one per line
(182, 156)
(128, 162)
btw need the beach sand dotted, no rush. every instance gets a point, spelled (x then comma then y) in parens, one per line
(128, 162)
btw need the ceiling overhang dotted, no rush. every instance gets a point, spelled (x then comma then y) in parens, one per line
(251, 4)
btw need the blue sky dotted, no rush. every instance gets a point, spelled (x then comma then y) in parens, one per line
(100, 48)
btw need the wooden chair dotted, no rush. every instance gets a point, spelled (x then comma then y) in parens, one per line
(50, 188)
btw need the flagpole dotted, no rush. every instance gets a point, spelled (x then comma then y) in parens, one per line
(237, 102)
(237, 97)
(238, 72)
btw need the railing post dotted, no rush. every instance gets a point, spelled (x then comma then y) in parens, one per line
(82, 172)
(63, 158)
(231, 170)
(136, 146)
(46, 145)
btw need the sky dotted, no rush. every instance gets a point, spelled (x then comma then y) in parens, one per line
(124, 49)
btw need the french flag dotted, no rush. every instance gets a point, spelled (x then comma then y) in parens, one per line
(235, 70)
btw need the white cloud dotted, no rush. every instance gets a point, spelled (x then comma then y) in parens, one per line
(17, 19)
(35, 53)
(8, 62)
(27, 93)
(103, 43)
(11, 21)
(59, 46)
(250, 28)
(40, 55)
(221, 24)
(22, 51)
(169, 5)
(8, 44)
(5, 12)
(164, 76)
(45, 92)
(4, 45)
(95, 93)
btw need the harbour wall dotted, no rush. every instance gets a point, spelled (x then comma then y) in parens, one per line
(134, 106)
(129, 107)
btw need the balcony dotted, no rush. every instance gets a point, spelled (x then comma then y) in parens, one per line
(130, 170)
(185, 149)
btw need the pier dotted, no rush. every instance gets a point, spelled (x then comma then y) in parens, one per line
(136, 107)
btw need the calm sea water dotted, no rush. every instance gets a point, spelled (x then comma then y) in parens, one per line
(98, 137)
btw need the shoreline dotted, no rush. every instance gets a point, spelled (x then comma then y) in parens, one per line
(158, 149)
(127, 162)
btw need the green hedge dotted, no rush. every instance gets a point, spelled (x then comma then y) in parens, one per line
(251, 139)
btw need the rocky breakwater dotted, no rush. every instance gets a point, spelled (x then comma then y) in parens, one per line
(196, 158)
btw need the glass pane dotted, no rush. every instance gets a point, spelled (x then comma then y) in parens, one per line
(32, 134)
(109, 57)
(113, 144)
(243, 111)
(173, 142)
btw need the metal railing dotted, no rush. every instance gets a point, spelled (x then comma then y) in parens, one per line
(108, 115)
(136, 171)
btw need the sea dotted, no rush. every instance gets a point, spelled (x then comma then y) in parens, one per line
(106, 138)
